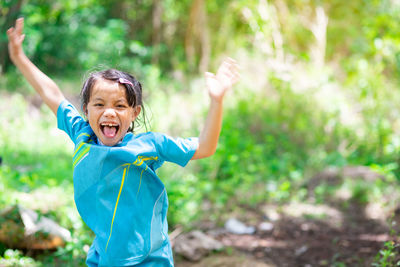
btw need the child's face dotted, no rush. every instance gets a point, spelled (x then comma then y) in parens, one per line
(108, 111)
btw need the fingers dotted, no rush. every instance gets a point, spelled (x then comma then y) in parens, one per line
(15, 34)
(229, 65)
(209, 75)
(11, 35)
(209, 78)
(10, 31)
(226, 76)
(230, 69)
(19, 26)
(17, 29)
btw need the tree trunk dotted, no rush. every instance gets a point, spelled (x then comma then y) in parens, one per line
(197, 31)
(9, 20)
(190, 32)
(156, 34)
(319, 29)
(204, 40)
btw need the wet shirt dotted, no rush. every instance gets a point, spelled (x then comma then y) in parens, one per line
(118, 193)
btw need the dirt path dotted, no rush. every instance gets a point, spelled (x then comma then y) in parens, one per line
(306, 235)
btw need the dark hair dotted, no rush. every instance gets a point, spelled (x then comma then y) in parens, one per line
(133, 93)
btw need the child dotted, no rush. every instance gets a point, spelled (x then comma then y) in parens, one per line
(116, 189)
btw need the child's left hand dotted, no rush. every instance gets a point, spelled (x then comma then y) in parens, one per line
(227, 75)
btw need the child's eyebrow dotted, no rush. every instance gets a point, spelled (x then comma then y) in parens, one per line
(121, 100)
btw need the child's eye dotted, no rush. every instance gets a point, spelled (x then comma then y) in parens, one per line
(121, 106)
(98, 105)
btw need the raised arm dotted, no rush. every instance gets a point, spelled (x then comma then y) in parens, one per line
(43, 85)
(227, 75)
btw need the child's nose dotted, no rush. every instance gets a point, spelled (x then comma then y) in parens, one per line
(109, 112)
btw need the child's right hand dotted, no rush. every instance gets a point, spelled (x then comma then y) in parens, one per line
(15, 39)
(43, 85)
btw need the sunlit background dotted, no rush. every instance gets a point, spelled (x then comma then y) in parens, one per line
(319, 93)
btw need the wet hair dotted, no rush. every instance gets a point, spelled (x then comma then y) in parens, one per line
(133, 91)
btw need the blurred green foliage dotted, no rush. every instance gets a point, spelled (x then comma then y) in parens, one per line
(294, 113)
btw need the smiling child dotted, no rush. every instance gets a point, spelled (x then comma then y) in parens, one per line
(116, 189)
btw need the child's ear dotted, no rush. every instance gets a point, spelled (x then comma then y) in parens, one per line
(85, 110)
(136, 112)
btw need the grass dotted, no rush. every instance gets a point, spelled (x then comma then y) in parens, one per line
(263, 156)
(37, 173)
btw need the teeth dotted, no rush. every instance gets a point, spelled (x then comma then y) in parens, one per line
(109, 124)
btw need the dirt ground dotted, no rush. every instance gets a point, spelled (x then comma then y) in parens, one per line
(306, 235)
(343, 231)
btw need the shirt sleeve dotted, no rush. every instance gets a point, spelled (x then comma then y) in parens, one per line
(176, 150)
(69, 120)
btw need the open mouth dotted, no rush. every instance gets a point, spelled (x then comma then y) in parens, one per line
(109, 130)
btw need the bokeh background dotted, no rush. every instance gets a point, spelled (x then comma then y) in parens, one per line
(319, 91)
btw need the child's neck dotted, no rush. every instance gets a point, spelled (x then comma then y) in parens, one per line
(101, 143)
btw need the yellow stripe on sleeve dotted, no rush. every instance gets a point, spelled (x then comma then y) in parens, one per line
(84, 134)
(81, 154)
(77, 149)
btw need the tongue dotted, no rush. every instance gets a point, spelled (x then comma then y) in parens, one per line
(109, 132)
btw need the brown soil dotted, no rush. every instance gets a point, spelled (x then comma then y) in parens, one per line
(347, 238)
